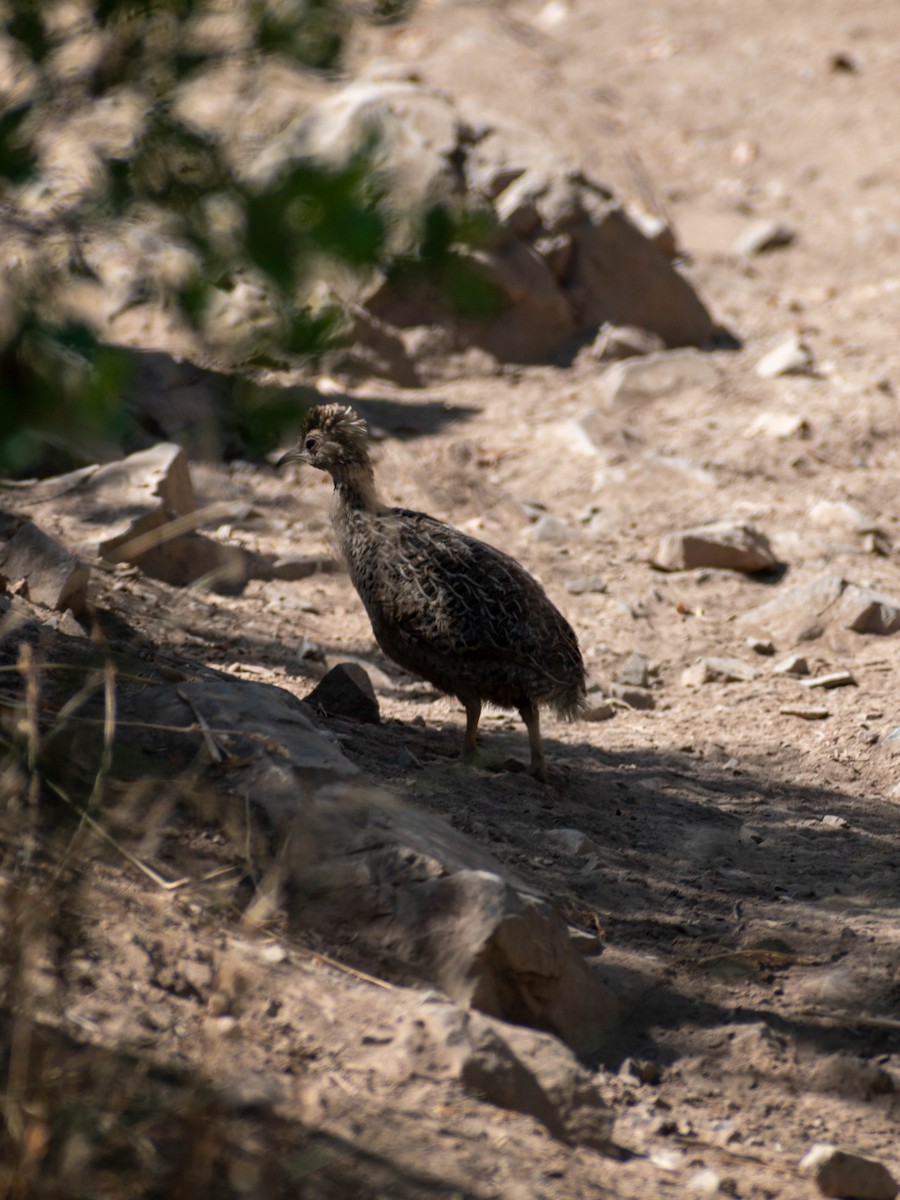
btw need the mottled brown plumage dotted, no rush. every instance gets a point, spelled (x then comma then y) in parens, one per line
(463, 615)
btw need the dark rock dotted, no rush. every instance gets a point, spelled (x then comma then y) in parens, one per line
(839, 1173)
(346, 691)
(634, 697)
(54, 577)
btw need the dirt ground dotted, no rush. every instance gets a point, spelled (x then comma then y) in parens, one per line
(746, 862)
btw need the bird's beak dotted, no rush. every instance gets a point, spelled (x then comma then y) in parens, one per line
(295, 454)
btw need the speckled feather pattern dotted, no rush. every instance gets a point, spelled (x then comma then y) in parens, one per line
(444, 605)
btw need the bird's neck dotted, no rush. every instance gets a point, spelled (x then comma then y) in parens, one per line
(354, 490)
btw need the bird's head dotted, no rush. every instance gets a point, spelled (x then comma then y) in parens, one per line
(334, 440)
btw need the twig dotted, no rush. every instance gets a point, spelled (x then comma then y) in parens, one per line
(339, 966)
(848, 1019)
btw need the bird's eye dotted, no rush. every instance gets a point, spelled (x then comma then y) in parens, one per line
(310, 443)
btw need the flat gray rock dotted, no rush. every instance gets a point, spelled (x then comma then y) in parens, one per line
(736, 547)
(53, 577)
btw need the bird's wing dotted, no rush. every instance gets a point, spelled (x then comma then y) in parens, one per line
(462, 595)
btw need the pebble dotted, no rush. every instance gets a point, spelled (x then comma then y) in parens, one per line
(777, 425)
(637, 381)
(634, 697)
(791, 357)
(724, 544)
(635, 671)
(717, 669)
(551, 529)
(569, 841)
(760, 646)
(586, 583)
(840, 1173)
(832, 821)
(706, 1182)
(762, 235)
(805, 714)
(794, 664)
(832, 680)
(604, 711)
(615, 342)
(839, 514)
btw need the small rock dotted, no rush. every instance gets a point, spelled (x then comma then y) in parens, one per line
(839, 1173)
(705, 1182)
(723, 544)
(641, 1070)
(507, 1065)
(634, 697)
(839, 514)
(777, 425)
(865, 611)
(794, 664)
(656, 229)
(761, 236)
(716, 669)
(842, 62)
(639, 381)
(832, 821)
(805, 714)
(804, 612)
(569, 841)
(551, 529)
(750, 836)
(586, 583)
(635, 671)
(615, 342)
(54, 577)
(832, 680)
(604, 711)
(760, 646)
(791, 357)
(346, 691)
(311, 651)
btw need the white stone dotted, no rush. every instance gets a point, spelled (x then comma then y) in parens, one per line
(790, 357)
(762, 235)
(639, 381)
(777, 425)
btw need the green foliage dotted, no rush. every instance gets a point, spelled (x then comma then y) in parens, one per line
(58, 383)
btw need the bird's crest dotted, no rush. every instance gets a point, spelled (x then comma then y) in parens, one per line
(343, 428)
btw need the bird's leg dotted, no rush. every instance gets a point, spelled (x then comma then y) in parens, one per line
(473, 715)
(531, 716)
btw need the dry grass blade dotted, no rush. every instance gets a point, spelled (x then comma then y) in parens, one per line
(29, 671)
(339, 966)
(168, 885)
(215, 753)
(109, 733)
(153, 538)
(847, 1019)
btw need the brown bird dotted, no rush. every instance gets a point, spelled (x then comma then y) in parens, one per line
(445, 606)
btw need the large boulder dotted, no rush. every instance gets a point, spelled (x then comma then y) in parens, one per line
(563, 257)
